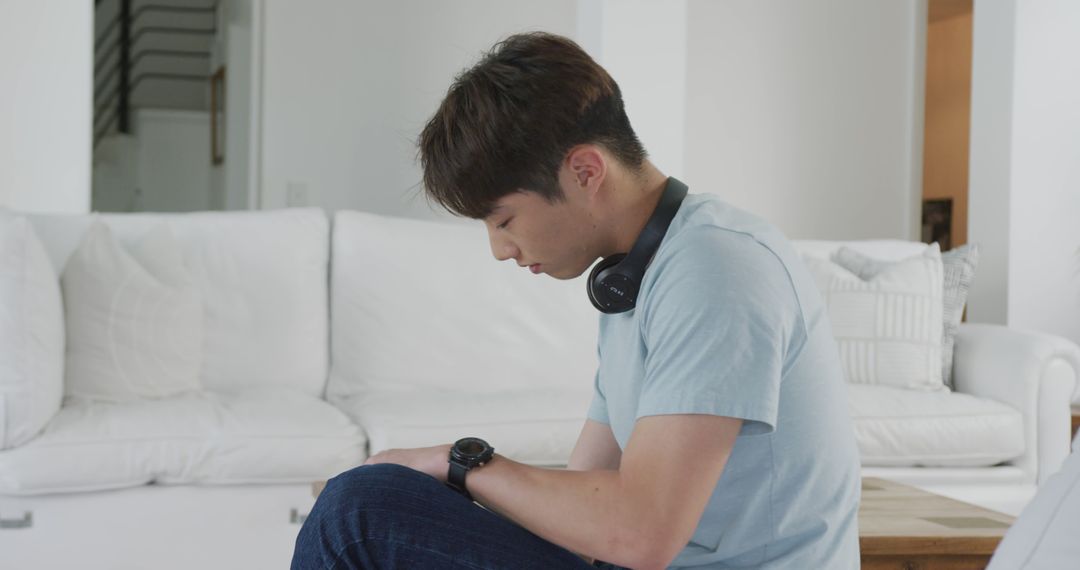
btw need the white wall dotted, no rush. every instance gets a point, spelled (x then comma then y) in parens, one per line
(650, 68)
(236, 50)
(1044, 253)
(163, 166)
(219, 52)
(990, 163)
(115, 183)
(1025, 165)
(809, 114)
(173, 170)
(1038, 184)
(45, 109)
(347, 87)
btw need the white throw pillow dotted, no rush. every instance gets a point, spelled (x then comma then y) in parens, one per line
(959, 266)
(888, 328)
(31, 334)
(134, 320)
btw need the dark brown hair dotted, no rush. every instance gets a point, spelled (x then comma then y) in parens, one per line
(507, 123)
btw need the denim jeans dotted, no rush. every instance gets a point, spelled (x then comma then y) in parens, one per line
(390, 516)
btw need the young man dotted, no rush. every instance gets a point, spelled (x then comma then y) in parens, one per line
(718, 435)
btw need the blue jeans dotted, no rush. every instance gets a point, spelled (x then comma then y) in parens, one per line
(390, 516)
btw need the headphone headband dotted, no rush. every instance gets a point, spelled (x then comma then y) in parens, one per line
(614, 283)
(649, 240)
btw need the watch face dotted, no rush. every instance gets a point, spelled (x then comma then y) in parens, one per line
(471, 447)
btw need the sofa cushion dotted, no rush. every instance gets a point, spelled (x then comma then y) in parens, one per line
(538, 427)
(256, 436)
(883, 249)
(423, 305)
(263, 279)
(134, 320)
(959, 270)
(960, 264)
(31, 334)
(888, 328)
(896, 427)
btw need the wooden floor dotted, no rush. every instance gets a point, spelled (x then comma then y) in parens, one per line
(904, 527)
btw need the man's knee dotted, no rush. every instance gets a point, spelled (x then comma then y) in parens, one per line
(372, 484)
(351, 504)
(382, 475)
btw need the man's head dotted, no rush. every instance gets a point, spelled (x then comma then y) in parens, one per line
(528, 135)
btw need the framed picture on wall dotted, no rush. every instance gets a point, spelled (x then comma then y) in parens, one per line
(937, 222)
(217, 116)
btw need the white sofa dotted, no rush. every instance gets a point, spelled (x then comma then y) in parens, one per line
(1006, 380)
(328, 342)
(202, 480)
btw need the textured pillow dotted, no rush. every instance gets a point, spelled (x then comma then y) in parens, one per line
(31, 334)
(959, 266)
(134, 320)
(888, 327)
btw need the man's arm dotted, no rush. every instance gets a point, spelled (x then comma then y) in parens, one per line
(596, 448)
(641, 515)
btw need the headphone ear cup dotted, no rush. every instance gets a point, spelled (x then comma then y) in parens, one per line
(615, 282)
(597, 294)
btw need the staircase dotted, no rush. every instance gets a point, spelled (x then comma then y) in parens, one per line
(152, 70)
(150, 54)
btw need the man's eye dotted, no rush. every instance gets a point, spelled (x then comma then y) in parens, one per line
(503, 225)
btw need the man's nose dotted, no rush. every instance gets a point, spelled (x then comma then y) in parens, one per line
(502, 249)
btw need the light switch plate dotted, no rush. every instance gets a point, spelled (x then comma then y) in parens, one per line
(296, 194)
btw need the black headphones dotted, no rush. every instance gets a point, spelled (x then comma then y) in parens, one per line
(613, 284)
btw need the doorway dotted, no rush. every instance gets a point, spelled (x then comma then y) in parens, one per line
(947, 122)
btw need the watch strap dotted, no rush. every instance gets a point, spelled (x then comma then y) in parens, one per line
(456, 478)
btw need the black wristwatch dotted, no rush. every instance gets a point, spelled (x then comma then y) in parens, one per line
(466, 453)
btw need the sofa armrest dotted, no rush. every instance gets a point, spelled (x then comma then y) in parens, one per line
(1032, 372)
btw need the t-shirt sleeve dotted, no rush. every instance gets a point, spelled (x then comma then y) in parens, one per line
(719, 315)
(598, 407)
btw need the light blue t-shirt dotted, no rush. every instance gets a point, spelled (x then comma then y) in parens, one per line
(729, 323)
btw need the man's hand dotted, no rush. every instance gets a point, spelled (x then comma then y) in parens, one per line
(430, 460)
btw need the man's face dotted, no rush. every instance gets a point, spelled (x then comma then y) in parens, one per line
(558, 237)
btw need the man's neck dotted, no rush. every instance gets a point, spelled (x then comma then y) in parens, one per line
(635, 204)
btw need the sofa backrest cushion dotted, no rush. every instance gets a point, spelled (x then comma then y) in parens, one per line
(31, 334)
(263, 278)
(888, 325)
(134, 319)
(882, 249)
(419, 304)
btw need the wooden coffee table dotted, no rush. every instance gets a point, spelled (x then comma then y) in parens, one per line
(904, 527)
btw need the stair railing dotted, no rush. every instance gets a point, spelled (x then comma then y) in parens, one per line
(120, 37)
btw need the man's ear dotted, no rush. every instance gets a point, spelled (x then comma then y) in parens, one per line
(587, 166)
